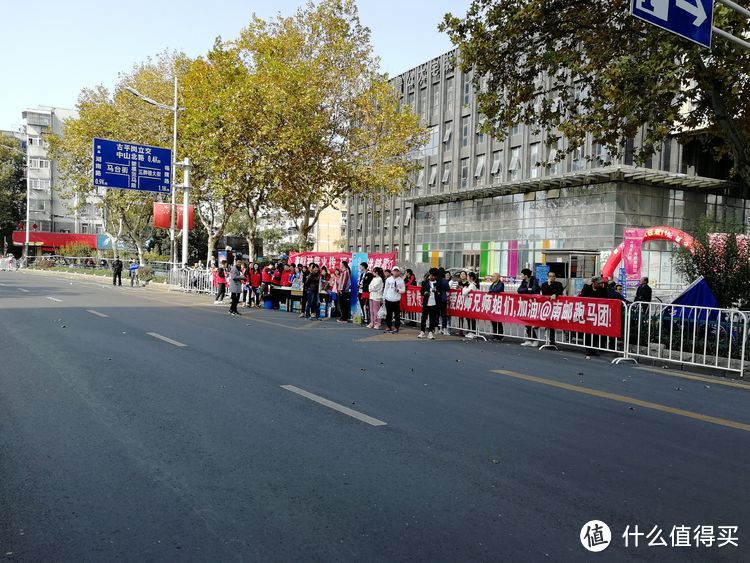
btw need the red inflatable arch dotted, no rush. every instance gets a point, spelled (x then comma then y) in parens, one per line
(654, 233)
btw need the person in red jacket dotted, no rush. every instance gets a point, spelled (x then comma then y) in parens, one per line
(255, 283)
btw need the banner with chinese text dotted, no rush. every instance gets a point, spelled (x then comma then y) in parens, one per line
(575, 314)
(333, 260)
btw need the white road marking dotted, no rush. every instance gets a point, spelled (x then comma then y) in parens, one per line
(97, 313)
(335, 406)
(165, 339)
(23, 289)
(54, 299)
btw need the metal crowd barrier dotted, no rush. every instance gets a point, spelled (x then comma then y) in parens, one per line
(8, 264)
(191, 281)
(698, 336)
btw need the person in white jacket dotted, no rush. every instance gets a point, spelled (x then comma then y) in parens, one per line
(377, 284)
(466, 291)
(394, 289)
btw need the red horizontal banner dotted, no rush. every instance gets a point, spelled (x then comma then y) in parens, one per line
(575, 314)
(333, 260)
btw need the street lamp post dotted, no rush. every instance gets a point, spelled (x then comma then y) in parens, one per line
(175, 110)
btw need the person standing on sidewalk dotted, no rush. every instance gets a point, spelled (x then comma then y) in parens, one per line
(497, 286)
(133, 269)
(365, 277)
(529, 286)
(236, 277)
(221, 282)
(345, 292)
(553, 289)
(311, 290)
(394, 289)
(117, 272)
(376, 297)
(431, 301)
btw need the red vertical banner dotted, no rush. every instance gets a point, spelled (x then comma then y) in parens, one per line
(631, 255)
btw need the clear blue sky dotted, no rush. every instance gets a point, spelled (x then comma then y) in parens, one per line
(51, 49)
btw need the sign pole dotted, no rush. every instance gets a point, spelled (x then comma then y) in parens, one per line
(186, 166)
(173, 245)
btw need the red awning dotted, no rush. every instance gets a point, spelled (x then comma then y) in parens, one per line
(51, 241)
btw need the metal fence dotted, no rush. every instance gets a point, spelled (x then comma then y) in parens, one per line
(699, 336)
(9, 264)
(192, 280)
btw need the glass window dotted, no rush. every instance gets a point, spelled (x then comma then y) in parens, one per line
(480, 167)
(497, 163)
(467, 89)
(516, 129)
(446, 172)
(423, 103)
(407, 217)
(515, 164)
(465, 130)
(431, 148)
(464, 172)
(420, 178)
(449, 94)
(480, 133)
(447, 135)
(534, 158)
(433, 174)
(435, 100)
(579, 160)
(554, 154)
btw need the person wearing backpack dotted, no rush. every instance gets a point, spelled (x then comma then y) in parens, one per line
(529, 286)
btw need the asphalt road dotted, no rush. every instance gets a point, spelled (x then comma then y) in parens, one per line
(143, 425)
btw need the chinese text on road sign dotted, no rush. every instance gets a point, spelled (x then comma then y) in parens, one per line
(132, 167)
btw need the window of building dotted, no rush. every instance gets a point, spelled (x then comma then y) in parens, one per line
(516, 129)
(446, 172)
(435, 109)
(84, 228)
(397, 218)
(515, 164)
(534, 158)
(464, 172)
(420, 178)
(34, 163)
(33, 141)
(579, 160)
(38, 205)
(554, 154)
(465, 130)
(449, 94)
(480, 133)
(431, 148)
(480, 167)
(407, 217)
(443, 222)
(407, 253)
(99, 230)
(447, 135)
(387, 220)
(43, 164)
(359, 221)
(386, 248)
(601, 155)
(497, 163)
(410, 100)
(423, 103)
(467, 89)
(433, 174)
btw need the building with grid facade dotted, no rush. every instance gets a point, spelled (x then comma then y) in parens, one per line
(49, 211)
(497, 206)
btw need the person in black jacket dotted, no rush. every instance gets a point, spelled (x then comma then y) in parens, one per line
(553, 289)
(497, 286)
(432, 296)
(117, 272)
(643, 293)
(365, 277)
(529, 286)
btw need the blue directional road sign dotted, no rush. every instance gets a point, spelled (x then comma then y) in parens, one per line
(691, 19)
(132, 167)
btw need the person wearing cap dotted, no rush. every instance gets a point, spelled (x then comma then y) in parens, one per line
(392, 292)
(431, 302)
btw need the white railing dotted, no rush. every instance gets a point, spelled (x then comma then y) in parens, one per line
(699, 336)
(192, 280)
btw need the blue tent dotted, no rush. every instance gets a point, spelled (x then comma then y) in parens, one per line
(697, 294)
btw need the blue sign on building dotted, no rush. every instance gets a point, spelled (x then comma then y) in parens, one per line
(132, 167)
(691, 19)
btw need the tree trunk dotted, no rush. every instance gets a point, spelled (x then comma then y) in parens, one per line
(139, 248)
